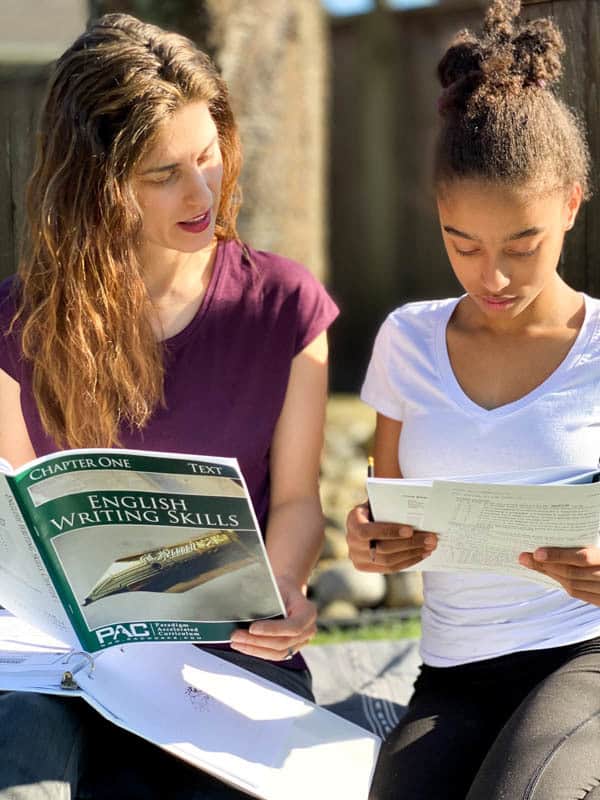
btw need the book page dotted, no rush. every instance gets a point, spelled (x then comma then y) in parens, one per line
(25, 586)
(231, 723)
(32, 661)
(150, 546)
(487, 526)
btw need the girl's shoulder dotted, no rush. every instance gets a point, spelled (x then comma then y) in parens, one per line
(420, 316)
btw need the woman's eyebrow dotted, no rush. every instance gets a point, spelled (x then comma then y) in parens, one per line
(166, 168)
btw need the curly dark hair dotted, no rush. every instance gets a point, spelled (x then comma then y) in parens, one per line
(500, 118)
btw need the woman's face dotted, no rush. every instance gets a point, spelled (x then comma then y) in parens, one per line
(178, 182)
(504, 244)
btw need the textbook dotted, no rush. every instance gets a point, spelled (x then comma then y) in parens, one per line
(224, 720)
(103, 547)
(484, 522)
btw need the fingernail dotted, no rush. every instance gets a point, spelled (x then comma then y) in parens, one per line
(405, 532)
(540, 555)
(429, 541)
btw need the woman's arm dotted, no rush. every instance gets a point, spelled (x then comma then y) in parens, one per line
(294, 533)
(15, 445)
(385, 546)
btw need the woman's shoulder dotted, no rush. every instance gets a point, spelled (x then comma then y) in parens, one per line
(8, 300)
(8, 296)
(281, 293)
(275, 272)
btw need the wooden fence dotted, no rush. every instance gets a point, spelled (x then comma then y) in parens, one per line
(384, 242)
(21, 91)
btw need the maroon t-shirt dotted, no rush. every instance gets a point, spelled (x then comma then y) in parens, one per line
(226, 372)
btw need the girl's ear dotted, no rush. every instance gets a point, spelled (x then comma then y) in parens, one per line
(572, 205)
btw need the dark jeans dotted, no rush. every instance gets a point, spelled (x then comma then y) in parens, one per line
(56, 748)
(520, 727)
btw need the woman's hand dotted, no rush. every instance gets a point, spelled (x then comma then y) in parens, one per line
(385, 546)
(577, 569)
(278, 639)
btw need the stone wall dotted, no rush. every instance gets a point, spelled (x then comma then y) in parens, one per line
(340, 591)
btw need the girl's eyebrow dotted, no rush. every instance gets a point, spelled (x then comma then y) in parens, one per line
(513, 237)
(168, 167)
(524, 234)
(455, 232)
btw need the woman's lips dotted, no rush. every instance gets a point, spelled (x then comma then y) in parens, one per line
(196, 224)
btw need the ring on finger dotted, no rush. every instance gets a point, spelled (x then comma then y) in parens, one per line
(372, 549)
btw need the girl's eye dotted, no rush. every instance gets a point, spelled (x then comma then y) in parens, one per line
(466, 252)
(524, 253)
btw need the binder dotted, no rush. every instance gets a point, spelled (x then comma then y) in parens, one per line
(214, 715)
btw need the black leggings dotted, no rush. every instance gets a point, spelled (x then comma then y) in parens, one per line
(520, 727)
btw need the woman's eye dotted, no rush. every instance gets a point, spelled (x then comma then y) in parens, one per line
(169, 178)
(466, 252)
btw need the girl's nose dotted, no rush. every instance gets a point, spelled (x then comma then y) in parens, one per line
(494, 278)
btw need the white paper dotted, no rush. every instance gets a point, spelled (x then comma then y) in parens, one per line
(25, 586)
(32, 661)
(212, 714)
(485, 526)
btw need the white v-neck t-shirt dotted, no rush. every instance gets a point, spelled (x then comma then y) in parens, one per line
(474, 616)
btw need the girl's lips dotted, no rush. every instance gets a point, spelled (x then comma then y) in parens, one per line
(197, 224)
(497, 302)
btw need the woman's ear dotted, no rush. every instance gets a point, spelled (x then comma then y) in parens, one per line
(573, 205)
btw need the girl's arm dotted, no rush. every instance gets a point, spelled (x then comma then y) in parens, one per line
(294, 533)
(382, 546)
(15, 445)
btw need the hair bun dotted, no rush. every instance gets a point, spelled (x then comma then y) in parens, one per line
(463, 57)
(538, 50)
(509, 56)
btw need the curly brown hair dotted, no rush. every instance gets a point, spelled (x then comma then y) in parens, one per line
(500, 118)
(84, 308)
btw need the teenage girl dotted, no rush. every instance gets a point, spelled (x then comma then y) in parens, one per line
(505, 377)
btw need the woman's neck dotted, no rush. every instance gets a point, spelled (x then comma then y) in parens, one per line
(176, 287)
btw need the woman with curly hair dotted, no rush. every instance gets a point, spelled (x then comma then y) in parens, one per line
(139, 319)
(505, 377)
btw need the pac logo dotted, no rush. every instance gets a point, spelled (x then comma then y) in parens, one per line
(118, 633)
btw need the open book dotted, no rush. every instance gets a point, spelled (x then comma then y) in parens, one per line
(245, 730)
(150, 552)
(484, 522)
(104, 547)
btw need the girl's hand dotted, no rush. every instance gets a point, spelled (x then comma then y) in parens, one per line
(577, 569)
(385, 546)
(278, 639)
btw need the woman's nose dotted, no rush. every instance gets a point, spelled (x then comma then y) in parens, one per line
(198, 191)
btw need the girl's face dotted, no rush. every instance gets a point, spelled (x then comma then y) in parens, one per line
(504, 244)
(178, 182)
